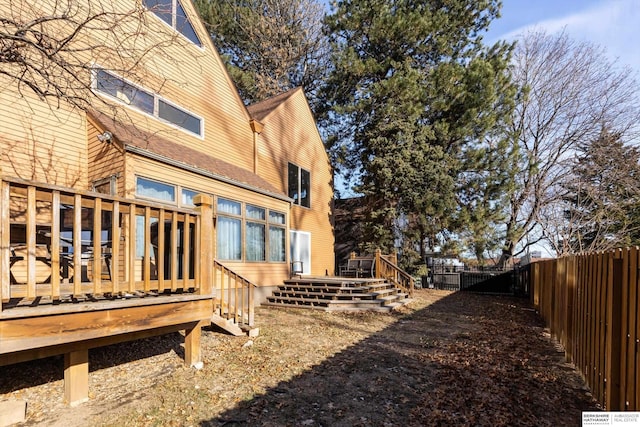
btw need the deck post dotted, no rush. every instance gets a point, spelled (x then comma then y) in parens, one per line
(377, 265)
(204, 204)
(192, 355)
(76, 377)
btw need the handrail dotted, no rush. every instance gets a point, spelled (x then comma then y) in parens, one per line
(386, 269)
(90, 242)
(239, 298)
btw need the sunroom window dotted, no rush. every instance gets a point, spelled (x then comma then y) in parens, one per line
(146, 101)
(155, 189)
(229, 230)
(255, 229)
(172, 12)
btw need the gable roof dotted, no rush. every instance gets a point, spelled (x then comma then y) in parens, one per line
(156, 147)
(262, 109)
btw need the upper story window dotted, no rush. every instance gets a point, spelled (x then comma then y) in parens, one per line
(146, 101)
(172, 12)
(299, 185)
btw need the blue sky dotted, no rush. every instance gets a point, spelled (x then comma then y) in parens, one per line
(611, 24)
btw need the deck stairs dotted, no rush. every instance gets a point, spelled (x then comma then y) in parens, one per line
(338, 294)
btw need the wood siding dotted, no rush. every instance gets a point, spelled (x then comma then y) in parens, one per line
(40, 142)
(105, 157)
(290, 135)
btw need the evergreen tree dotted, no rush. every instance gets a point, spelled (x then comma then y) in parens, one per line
(602, 198)
(269, 46)
(413, 90)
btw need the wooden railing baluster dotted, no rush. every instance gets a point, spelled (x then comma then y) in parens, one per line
(5, 243)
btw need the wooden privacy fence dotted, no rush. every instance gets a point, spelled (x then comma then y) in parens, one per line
(591, 304)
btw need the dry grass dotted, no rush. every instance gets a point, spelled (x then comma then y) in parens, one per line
(447, 359)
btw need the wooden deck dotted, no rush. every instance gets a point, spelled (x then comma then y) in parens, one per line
(80, 270)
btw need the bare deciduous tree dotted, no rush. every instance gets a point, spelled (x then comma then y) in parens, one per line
(50, 47)
(569, 91)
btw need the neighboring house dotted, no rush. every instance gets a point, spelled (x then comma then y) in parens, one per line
(151, 146)
(266, 167)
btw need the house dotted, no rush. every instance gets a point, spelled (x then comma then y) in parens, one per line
(125, 217)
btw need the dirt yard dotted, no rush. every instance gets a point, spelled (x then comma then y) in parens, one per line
(449, 359)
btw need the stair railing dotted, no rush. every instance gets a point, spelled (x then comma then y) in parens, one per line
(386, 268)
(233, 295)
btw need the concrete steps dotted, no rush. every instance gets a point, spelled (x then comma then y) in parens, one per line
(337, 294)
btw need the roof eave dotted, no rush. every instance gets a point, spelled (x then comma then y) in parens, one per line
(203, 172)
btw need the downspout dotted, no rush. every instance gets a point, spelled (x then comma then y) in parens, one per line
(256, 127)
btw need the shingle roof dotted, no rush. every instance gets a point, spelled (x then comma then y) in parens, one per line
(160, 148)
(262, 109)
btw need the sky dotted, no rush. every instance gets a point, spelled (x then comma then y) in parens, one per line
(611, 24)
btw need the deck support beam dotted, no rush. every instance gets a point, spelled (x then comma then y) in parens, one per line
(76, 377)
(192, 354)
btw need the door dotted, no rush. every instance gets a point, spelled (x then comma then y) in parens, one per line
(300, 249)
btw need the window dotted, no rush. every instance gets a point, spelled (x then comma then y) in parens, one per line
(155, 189)
(187, 197)
(255, 240)
(241, 231)
(229, 230)
(172, 13)
(299, 185)
(146, 101)
(276, 237)
(105, 185)
(125, 92)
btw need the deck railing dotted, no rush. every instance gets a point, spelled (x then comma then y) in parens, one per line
(233, 296)
(591, 304)
(386, 268)
(59, 245)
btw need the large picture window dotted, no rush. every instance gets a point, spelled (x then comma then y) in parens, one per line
(250, 233)
(172, 13)
(299, 185)
(146, 101)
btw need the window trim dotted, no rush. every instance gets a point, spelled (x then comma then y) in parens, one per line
(156, 101)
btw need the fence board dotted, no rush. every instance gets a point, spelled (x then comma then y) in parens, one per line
(631, 330)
